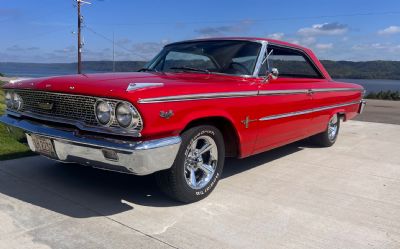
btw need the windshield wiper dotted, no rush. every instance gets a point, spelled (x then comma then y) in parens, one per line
(144, 69)
(190, 69)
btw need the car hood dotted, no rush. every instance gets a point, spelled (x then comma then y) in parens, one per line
(115, 85)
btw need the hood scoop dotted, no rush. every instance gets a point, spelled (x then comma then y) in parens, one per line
(136, 86)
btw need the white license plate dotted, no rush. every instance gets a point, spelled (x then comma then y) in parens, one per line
(44, 146)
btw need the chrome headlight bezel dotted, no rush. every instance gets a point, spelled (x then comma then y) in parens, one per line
(13, 101)
(110, 111)
(9, 99)
(133, 118)
(17, 102)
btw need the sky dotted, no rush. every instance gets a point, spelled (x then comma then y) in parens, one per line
(45, 30)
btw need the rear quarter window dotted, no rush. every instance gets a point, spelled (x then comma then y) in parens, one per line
(290, 63)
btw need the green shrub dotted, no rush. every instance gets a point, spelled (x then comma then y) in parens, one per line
(384, 95)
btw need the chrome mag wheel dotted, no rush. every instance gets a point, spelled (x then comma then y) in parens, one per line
(200, 162)
(333, 128)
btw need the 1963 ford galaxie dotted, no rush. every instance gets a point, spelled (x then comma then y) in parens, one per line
(194, 104)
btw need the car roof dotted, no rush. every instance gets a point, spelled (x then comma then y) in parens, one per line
(252, 39)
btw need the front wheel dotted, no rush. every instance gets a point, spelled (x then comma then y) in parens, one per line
(329, 136)
(197, 167)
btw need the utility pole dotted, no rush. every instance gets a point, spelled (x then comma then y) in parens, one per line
(79, 38)
(113, 52)
(80, 44)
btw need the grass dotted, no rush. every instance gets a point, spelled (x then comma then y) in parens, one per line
(11, 144)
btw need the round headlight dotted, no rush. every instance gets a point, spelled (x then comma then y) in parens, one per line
(104, 111)
(16, 102)
(9, 100)
(126, 115)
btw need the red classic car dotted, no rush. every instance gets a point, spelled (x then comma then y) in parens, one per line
(194, 104)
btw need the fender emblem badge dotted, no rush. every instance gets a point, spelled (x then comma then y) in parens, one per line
(247, 121)
(166, 114)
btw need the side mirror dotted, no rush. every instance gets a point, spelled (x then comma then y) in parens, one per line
(274, 73)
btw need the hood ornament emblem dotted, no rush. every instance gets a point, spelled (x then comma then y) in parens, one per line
(136, 86)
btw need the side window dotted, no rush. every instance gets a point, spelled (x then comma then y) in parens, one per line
(290, 63)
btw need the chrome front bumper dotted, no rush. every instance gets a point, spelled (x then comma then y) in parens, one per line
(135, 157)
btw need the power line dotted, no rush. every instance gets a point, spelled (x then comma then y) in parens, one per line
(115, 44)
(256, 20)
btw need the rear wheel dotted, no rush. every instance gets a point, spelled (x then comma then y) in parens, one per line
(197, 167)
(329, 136)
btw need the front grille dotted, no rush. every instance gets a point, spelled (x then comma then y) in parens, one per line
(74, 108)
(66, 106)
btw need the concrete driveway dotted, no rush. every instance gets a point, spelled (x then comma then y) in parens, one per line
(346, 196)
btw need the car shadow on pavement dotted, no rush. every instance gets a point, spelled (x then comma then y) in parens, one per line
(83, 192)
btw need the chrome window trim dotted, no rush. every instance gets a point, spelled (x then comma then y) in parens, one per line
(291, 114)
(205, 96)
(261, 56)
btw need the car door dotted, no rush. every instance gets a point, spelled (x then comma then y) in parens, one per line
(285, 112)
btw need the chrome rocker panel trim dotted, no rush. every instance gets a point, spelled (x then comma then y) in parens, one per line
(134, 157)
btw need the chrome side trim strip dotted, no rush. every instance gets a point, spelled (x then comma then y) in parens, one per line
(203, 96)
(291, 114)
(199, 97)
(281, 92)
(336, 89)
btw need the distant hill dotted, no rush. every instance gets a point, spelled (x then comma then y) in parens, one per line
(363, 70)
(337, 69)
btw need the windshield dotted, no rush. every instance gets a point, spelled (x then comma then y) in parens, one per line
(226, 57)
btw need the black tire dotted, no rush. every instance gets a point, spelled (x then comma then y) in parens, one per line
(173, 181)
(324, 139)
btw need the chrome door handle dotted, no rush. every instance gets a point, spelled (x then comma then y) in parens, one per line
(310, 92)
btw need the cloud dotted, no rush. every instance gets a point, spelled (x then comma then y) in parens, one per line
(303, 41)
(240, 27)
(66, 50)
(276, 36)
(323, 29)
(147, 50)
(324, 46)
(17, 48)
(390, 30)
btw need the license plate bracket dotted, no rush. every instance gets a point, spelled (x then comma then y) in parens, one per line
(44, 146)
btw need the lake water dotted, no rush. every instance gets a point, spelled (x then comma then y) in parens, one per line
(368, 84)
(375, 85)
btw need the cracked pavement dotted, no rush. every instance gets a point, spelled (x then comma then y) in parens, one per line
(297, 196)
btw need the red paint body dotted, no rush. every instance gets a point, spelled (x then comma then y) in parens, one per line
(259, 136)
